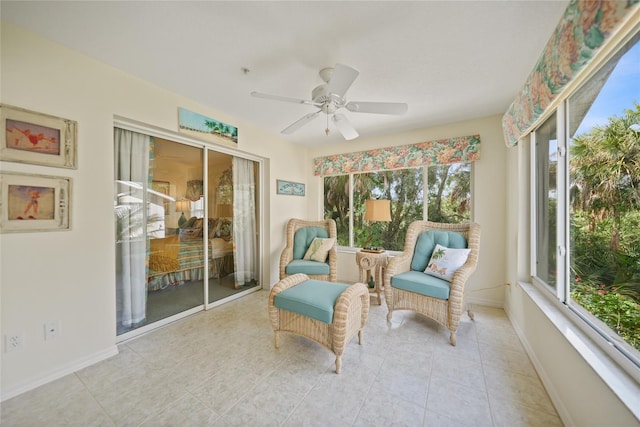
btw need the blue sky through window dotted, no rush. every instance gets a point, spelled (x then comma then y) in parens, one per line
(620, 92)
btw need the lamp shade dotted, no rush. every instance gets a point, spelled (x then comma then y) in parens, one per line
(377, 210)
(182, 205)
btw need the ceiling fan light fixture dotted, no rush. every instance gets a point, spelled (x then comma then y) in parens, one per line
(329, 98)
(345, 127)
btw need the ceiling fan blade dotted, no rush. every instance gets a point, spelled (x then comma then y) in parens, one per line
(345, 127)
(282, 98)
(377, 107)
(300, 122)
(341, 79)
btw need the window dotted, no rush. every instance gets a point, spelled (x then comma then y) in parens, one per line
(448, 200)
(586, 188)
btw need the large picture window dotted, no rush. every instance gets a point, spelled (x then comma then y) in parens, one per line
(448, 199)
(587, 202)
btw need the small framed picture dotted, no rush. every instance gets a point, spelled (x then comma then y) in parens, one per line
(34, 202)
(290, 188)
(211, 129)
(36, 138)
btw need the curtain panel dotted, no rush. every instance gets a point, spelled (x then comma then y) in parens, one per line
(583, 30)
(462, 149)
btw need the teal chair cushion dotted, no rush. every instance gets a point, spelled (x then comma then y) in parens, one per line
(421, 283)
(303, 237)
(307, 267)
(427, 241)
(311, 298)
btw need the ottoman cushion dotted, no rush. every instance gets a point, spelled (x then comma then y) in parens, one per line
(311, 298)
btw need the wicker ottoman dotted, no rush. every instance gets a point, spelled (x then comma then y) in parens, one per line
(328, 313)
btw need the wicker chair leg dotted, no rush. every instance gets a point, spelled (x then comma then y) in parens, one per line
(452, 339)
(360, 336)
(277, 339)
(389, 315)
(338, 364)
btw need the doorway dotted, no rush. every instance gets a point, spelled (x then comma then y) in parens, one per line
(187, 234)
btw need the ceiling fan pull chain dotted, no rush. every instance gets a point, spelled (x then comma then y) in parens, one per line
(326, 131)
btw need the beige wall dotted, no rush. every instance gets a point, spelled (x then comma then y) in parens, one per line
(69, 276)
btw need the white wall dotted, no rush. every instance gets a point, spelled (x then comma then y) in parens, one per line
(69, 276)
(489, 182)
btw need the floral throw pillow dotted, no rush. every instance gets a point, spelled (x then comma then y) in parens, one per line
(319, 249)
(445, 261)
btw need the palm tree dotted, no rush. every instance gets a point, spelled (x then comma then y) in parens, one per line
(605, 171)
(605, 189)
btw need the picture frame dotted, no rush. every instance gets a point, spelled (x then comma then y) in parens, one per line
(36, 138)
(205, 127)
(31, 203)
(163, 187)
(290, 188)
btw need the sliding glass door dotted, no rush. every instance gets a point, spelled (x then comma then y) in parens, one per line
(187, 234)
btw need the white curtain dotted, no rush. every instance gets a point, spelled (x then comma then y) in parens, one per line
(244, 221)
(131, 182)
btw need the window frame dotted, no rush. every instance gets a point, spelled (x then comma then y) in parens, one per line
(425, 202)
(600, 334)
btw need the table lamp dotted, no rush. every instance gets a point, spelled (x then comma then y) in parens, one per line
(374, 211)
(182, 206)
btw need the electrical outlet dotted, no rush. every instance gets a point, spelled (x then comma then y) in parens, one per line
(13, 342)
(51, 330)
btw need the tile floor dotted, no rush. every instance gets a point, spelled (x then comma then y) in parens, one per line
(220, 368)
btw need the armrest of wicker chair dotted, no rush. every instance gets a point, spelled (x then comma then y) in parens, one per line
(281, 286)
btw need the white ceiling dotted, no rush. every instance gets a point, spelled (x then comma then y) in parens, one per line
(449, 60)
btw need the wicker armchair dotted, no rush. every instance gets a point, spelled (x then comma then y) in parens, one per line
(291, 254)
(444, 311)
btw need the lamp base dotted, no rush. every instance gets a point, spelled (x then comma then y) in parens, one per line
(182, 219)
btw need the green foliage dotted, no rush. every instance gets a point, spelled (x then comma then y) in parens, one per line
(448, 201)
(604, 224)
(619, 312)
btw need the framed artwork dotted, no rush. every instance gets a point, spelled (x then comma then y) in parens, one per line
(290, 188)
(163, 187)
(206, 127)
(34, 202)
(36, 138)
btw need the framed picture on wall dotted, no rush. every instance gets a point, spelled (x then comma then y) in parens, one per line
(163, 187)
(290, 188)
(36, 138)
(34, 202)
(206, 127)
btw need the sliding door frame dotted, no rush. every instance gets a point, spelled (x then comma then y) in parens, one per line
(135, 126)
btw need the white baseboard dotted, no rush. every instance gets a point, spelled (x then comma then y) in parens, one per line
(59, 373)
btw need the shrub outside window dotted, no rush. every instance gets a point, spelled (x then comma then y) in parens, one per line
(448, 189)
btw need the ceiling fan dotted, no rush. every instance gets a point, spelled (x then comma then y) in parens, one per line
(329, 98)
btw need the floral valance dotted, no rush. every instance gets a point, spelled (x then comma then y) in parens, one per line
(585, 27)
(461, 149)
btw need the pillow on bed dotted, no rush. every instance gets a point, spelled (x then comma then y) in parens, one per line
(224, 229)
(191, 230)
(213, 226)
(190, 234)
